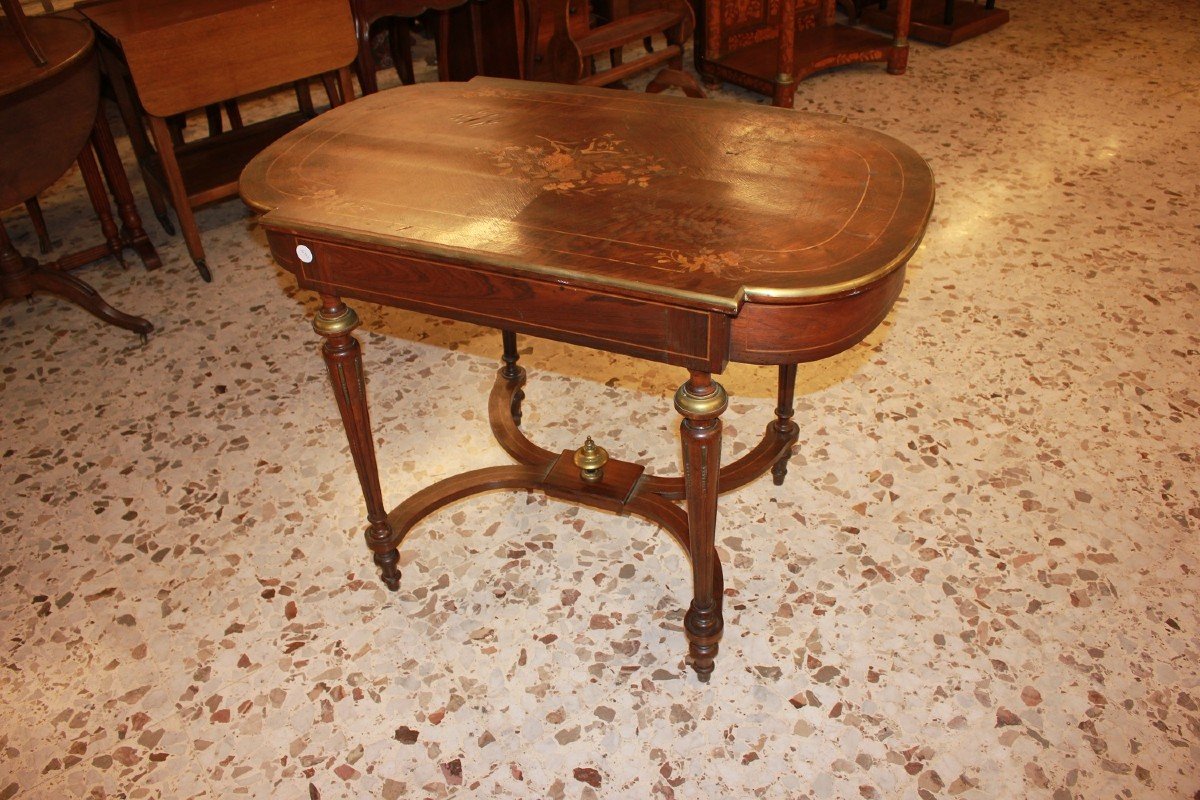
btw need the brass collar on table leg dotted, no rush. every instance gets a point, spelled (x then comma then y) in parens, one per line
(338, 324)
(707, 406)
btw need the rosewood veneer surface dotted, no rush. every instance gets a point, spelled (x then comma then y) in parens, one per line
(700, 208)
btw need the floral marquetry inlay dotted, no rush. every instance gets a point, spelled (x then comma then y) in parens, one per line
(704, 205)
(728, 263)
(594, 165)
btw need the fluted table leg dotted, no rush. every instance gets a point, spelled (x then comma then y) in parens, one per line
(118, 183)
(335, 321)
(701, 401)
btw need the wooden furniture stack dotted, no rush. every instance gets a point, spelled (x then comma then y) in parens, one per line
(168, 57)
(769, 45)
(49, 101)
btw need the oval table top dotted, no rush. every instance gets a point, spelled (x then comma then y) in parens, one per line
(700, 203)
(47, 112)
(64, 42)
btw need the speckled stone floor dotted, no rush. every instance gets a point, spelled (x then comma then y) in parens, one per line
(979, 580)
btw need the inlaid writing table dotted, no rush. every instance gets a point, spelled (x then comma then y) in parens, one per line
(686, 232)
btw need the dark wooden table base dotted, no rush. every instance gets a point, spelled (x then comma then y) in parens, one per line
(621, 487)
(21, 277)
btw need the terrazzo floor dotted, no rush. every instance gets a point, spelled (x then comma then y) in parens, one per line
(979, 580)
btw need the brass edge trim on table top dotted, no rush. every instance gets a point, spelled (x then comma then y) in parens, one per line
(410, 248)
(40, 75)
(666, 295)
(260, 197)
(783, 296)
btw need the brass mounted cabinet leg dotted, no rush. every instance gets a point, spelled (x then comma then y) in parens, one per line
(701, 401)
(335, 322)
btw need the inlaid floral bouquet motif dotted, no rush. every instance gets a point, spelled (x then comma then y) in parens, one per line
(594, 165)
(727, 263)
(603, 163)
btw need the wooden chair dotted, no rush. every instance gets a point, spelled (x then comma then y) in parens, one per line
(569, 54)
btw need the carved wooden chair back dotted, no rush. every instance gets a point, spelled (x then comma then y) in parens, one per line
(570, 53)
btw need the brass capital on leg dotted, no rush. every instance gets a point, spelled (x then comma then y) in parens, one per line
(335, 320)
(701, 400)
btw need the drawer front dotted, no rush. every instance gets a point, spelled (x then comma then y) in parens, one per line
(643, 328)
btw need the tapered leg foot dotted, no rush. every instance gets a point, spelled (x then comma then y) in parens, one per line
(202, 268)
(703, 626)
(779, 471)
(510, 371)
(389, 571)
(164, 219)
(142, 245)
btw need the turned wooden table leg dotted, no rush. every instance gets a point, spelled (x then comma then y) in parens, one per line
(94, 184)
(335, 322)
(511, 371)
(118, 183)
(897, 61)
(34, 209)
(14, 271)
(701, 401)
(783, 417)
